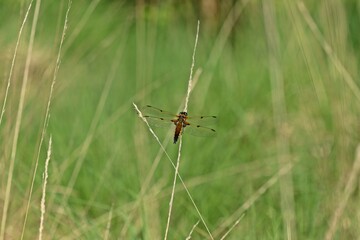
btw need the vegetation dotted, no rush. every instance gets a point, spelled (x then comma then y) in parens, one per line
(282, 77)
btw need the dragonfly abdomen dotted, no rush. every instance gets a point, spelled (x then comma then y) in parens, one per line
(178, 129)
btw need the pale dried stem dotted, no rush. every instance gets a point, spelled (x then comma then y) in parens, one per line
(154, 165)
(108, 225)
(18, 120)
(192, 68)
(180, 144)
(93, 127)
(328, 50)
(13, 61)
(349, 189)
(173, 188)
(81, 23)
(192, 230)
(252, 199)
(174, 166)
(47, 115)
(42, 205)
(232, 227)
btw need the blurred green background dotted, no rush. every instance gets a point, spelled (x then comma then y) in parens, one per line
(282, 77)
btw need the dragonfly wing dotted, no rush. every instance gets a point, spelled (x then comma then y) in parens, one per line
(154, 111)
(159, 121)
(203, 120)
(199, 131)
(157, 117)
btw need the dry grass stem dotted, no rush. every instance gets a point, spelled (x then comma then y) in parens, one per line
(108, 225)
(193, 83)
(232, 227)
(42, 206)
(19, 119)
(174, 166)
(252, 199)
(180, 144)
(152, 170)
(328, 50)
(349, 189)
(173, 188)
(156, 162)
(47, 114)
(192, 230)
(192, 68)
(280, 119)
(94, 123)
(13, 61)
(80, 25)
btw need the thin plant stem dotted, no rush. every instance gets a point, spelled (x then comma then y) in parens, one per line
(349, 189)
(173, 189)
(192, 230)
(18, 120)
(253, 198)
(174, 166)
(47, 115)
(340, 67)
(192, 68)
(189, 89)
(108, 225)
(42, 205)
(232, 227)
(13, 61)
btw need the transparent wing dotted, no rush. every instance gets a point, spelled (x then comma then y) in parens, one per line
(199, 131)
(157, 112)
(203, 120)
(196, 126)
(159, 121)
(157, 117)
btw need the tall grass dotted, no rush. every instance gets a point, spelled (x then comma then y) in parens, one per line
(19, 115)
(282, 78)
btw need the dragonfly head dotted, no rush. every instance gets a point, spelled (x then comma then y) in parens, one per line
(183, 113)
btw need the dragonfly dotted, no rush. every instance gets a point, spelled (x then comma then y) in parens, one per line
(183, 123)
